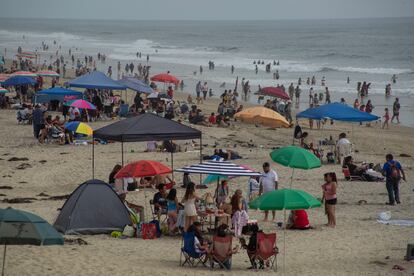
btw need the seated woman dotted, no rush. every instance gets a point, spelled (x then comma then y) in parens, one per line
(222, 232)
(304, 140)
(298, 219)
(354, 170)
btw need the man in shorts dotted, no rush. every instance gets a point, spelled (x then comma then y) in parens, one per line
(268, 183)
(396, 111)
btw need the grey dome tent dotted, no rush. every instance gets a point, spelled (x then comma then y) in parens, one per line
(93, 208)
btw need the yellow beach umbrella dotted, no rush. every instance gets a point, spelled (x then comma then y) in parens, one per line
(79, 127)
(262, 115)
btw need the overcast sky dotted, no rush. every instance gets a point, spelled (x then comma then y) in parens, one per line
(206, 9)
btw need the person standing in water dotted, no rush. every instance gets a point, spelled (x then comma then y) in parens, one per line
(394, 78)
(396, 110)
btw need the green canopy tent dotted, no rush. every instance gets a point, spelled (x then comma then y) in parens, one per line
(295, 158)
(285, 199)
(20, 227)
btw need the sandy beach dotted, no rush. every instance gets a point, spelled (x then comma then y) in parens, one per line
(359, 245)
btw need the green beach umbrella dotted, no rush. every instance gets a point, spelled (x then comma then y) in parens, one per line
(213, 178)
(285, 199)
(295, 158)
(20, 227)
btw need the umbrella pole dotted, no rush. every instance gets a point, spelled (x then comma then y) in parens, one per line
(172, 160)
(291, 177)
(201, 153)
(93, 159)
(284, 242)
(4, 259)
(122, 152)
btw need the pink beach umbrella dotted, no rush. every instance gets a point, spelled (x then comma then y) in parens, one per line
(24, 74)
(47, 74)
(81, 104)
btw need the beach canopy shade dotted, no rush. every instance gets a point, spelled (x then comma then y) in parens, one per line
(146, 127)
(21, 227)
(224, 168)
(93, 208)
(338, 112)
(295, 157)
(285, 199)
(47, 73)
(96, 80)
(143, 168)
(276, 92)
(165, 78)
(262, 115)
(57, 93)
(136, 85)
(24, 74)
(19, 80)
(79, 127)
(83, 104)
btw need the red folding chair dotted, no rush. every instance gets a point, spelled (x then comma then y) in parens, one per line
(221, 252)
(348, 176)
(267, 251)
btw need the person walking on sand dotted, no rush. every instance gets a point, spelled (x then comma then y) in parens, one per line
(205, 91)
(327, 96)
(198, 89)
(329, 197)
(297, 94)
(396, 110)
(393, 172)
(268, 183)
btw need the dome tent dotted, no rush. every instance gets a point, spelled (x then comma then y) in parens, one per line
(93, 208)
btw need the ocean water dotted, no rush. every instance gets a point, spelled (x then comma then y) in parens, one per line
(369, 50)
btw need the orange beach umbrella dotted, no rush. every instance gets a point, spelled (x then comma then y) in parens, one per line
(262, 115)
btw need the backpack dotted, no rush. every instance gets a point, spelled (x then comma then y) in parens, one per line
(395, 172)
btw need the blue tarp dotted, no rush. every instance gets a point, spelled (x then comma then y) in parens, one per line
(19, 80)
(96, 80)
(57, 93)
(338, 112)
(136, 85)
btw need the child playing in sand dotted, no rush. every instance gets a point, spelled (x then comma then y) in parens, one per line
(386, 119)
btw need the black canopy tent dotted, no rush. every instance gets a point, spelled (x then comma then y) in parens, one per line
(145, 127)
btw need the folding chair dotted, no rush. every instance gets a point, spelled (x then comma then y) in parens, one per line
(221, 252)
(349, 177)
(191, 257)
(158, 215)
(267, 251)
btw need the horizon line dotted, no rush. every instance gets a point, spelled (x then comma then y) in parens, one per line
(201, 20)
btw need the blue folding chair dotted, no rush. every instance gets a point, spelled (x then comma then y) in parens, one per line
(123, 110)
(192, 258)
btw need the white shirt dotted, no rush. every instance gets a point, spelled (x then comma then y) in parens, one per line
(268, 181)
(253, 186)
(342, 141)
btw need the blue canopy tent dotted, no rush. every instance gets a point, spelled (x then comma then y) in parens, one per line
(57, 93)
(338, 112)
(96, 80)
(136, 85)
(19, 80)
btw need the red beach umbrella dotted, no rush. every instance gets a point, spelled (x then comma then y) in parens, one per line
(143, 168)
(166, 78)
(47, 74)
(275, 92)
(4, 77)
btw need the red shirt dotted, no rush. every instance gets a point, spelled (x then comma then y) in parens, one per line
(212, 119)
(300, 219)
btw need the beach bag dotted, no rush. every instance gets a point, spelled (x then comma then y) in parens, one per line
(157, 227)
(129, 231)
(395, 172)
(148, 231)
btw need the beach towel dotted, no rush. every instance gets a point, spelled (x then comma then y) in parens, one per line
(399, 222)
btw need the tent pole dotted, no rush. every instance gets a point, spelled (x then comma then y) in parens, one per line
(93, 158)
(122, 153)
(172, 160)
(4, 259)
(201, 153)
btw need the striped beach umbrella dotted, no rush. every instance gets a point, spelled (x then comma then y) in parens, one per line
(4, 77)
(219, 168)
(79, 127)
(24, 74)
(3, 90)
(47, 74)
